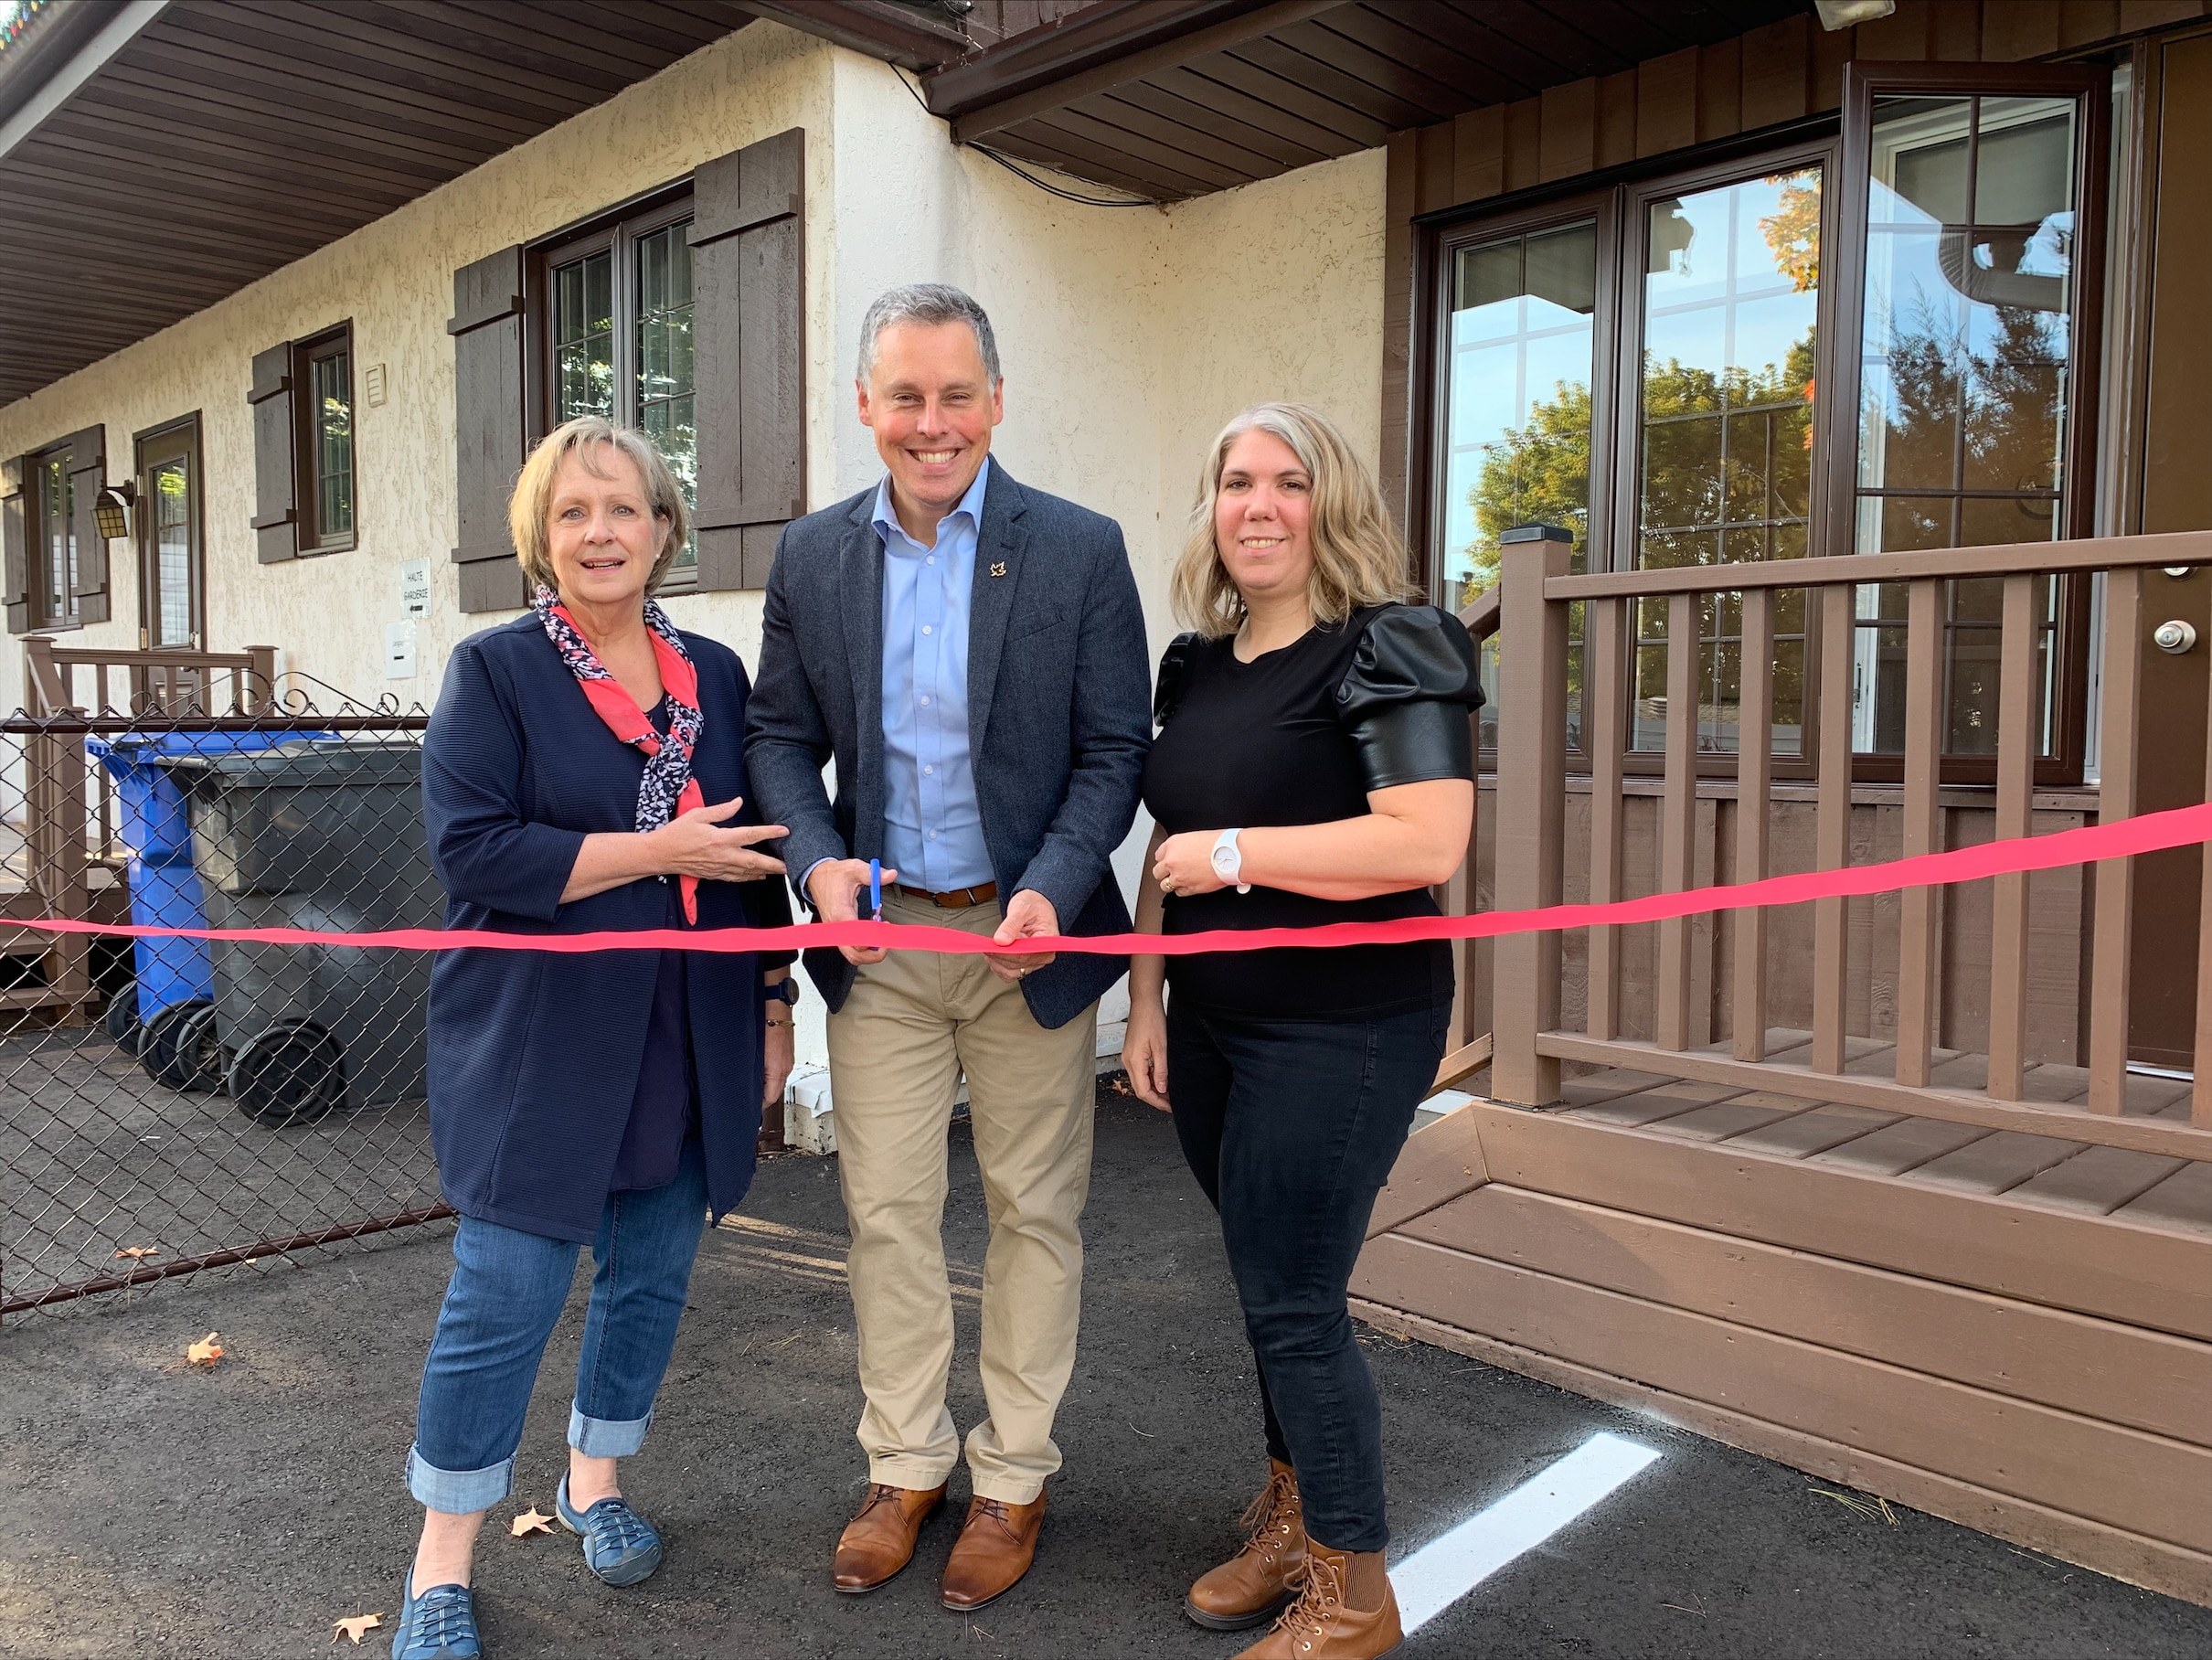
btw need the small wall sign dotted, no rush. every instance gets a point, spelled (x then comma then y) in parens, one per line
(415, 587)
(399, 650)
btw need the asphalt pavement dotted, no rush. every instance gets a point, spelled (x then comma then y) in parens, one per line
(149, 1509)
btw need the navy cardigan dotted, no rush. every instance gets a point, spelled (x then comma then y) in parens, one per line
(533, 1057)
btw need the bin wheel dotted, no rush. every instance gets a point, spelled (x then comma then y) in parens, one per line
(121, 1019)
(291, 1074)
(179, 1048)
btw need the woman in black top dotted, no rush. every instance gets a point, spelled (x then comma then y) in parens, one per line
(1314, 765)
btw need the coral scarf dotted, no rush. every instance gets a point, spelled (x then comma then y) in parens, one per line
(668, 787)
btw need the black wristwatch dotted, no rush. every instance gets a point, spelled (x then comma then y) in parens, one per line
(785, 990)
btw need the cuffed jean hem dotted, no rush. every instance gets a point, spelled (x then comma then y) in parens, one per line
(458, 1491)
(606, 1437)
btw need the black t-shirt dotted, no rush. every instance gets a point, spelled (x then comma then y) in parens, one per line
(1299, 736)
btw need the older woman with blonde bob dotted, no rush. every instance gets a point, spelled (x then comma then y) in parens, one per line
(584, 772)
(1314, 764)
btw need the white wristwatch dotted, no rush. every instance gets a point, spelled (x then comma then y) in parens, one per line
(1228, 864)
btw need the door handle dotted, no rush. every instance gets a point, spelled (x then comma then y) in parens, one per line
(2174, 637)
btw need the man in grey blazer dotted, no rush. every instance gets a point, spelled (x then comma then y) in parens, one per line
(971, 654)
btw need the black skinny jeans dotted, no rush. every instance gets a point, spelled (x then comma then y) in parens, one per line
(1292, 1127)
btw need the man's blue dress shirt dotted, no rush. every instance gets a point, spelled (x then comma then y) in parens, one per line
(932, 829)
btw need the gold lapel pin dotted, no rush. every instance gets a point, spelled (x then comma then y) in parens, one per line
(999, 569)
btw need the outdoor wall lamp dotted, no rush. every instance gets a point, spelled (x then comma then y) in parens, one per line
(111, 511)
(1843, 13)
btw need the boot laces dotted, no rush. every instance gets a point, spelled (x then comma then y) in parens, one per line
(1267, 1517)
(442, 1617)
(1309, 1618)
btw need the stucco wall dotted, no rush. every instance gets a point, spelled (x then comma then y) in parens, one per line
(1128, 334)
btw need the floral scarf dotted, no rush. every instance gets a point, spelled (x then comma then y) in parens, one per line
(668, 787)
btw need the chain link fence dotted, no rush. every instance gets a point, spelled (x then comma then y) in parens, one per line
(167, 1105)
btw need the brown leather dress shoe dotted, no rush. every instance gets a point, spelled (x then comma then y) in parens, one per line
(998, 1543)
(1318, 1626)
(879, 1541)
(1253, 1586)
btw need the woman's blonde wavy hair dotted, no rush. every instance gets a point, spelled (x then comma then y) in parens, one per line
(587, 438)
(1359, 557)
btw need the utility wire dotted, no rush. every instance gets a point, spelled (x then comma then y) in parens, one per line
(1023, 174)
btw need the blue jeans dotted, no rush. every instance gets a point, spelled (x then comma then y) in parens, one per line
(1292, 1127)
(507, 1292)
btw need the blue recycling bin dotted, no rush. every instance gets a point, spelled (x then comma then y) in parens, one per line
(164, 889)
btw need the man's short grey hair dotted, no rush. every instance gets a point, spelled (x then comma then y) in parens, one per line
(929, 303)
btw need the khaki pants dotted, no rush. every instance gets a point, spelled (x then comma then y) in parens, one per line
(912, 1024)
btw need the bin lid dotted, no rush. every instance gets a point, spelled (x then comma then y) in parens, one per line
(129, 750)
(325, 761)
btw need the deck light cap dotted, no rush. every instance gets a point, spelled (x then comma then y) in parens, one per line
(1513, 534)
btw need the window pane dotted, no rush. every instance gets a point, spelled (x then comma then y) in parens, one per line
(1517, 397)
(665, 382)
(58, 512)
(173, 552)
(583, 337)
(1731, 293)
(331, 390)
(1964, 363)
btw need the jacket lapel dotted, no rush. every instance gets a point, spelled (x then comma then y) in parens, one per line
(860, 588)
(999, 544)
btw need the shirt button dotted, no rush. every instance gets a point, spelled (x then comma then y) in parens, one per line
(927, 771)
(925, 628)
(925, 703)
(929, 558)
(932, 835)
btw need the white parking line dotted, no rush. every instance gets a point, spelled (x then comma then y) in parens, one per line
(1445, 1570)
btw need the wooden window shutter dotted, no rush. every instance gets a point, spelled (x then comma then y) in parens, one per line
(87, 468)
(488, 439)
(276, 483)
(748, 239)
(15, 540)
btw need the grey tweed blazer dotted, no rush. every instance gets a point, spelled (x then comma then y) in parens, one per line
(1059, 714)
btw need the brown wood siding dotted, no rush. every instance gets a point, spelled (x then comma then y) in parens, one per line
(2042, 1375)
(1782, 72)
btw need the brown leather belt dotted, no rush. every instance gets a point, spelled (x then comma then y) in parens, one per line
(960, 899)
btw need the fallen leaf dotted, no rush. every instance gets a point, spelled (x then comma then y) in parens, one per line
(206, 1352)
(529, 1521)
(135, 1251)
(356, 1628)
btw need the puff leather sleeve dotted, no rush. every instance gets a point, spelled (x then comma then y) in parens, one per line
(1174, 669)
(1405, 698)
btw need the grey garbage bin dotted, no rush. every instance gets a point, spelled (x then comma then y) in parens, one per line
(327, 835)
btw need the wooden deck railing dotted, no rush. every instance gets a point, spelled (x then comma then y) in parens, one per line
(1528, 611)
(61, 678)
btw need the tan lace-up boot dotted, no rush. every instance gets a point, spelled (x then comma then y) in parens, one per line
(1253, 1585)
(1319, 1626)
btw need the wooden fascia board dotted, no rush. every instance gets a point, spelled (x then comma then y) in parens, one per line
(22, 107)
(876, 27)
(985, 96)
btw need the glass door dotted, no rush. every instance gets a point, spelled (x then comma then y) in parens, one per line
(172, 564)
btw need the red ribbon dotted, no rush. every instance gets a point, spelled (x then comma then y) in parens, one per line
(2149, 833)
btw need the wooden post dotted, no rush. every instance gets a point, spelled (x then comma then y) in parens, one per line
(2113, 937)
(259, 688)
(1531, 796)
(1923, 828)
(2016, 747)
(1832, 829)
(1678, 814)
(1604, 709)
(1754, 772)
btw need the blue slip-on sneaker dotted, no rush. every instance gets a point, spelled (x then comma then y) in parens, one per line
(440, 1624)
(620, 1545)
